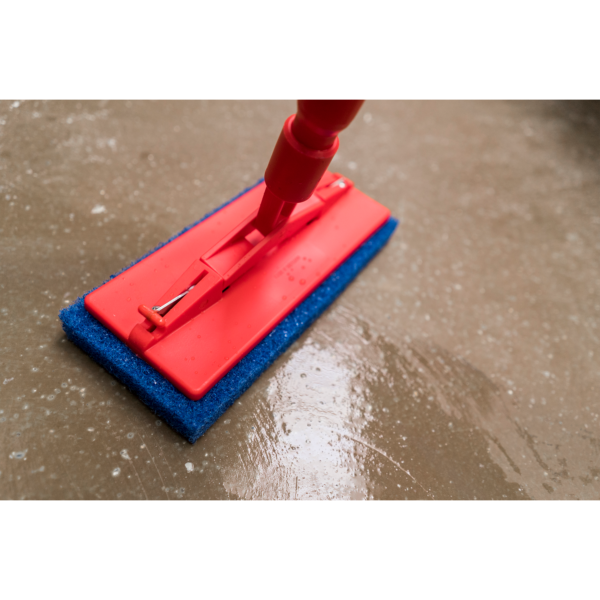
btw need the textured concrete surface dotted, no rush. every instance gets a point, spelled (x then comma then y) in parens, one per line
(463, 363)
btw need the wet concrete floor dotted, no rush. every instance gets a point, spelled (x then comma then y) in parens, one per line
(464, 362)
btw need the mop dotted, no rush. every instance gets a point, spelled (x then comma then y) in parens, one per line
(192, 324)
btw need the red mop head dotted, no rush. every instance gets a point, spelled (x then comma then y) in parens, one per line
(223, 305)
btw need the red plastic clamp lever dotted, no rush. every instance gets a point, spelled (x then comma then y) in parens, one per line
(206, 279)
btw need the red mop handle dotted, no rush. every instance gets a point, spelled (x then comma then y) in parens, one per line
(306, 145)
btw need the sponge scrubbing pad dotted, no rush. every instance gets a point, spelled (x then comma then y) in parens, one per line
(190, 418)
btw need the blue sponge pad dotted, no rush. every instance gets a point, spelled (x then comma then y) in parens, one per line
(191, 418)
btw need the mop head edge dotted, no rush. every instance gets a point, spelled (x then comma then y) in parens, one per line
(189, 418)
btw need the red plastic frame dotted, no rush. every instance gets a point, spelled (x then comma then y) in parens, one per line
(244, 283)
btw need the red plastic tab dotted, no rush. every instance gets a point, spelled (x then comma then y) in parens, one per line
(198, 305)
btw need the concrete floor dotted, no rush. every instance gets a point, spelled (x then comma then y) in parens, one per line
(464, 362)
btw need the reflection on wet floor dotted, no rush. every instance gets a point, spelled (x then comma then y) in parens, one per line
(359, 417)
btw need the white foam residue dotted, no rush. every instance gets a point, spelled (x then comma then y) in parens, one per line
(98, 209)
(111, 143)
